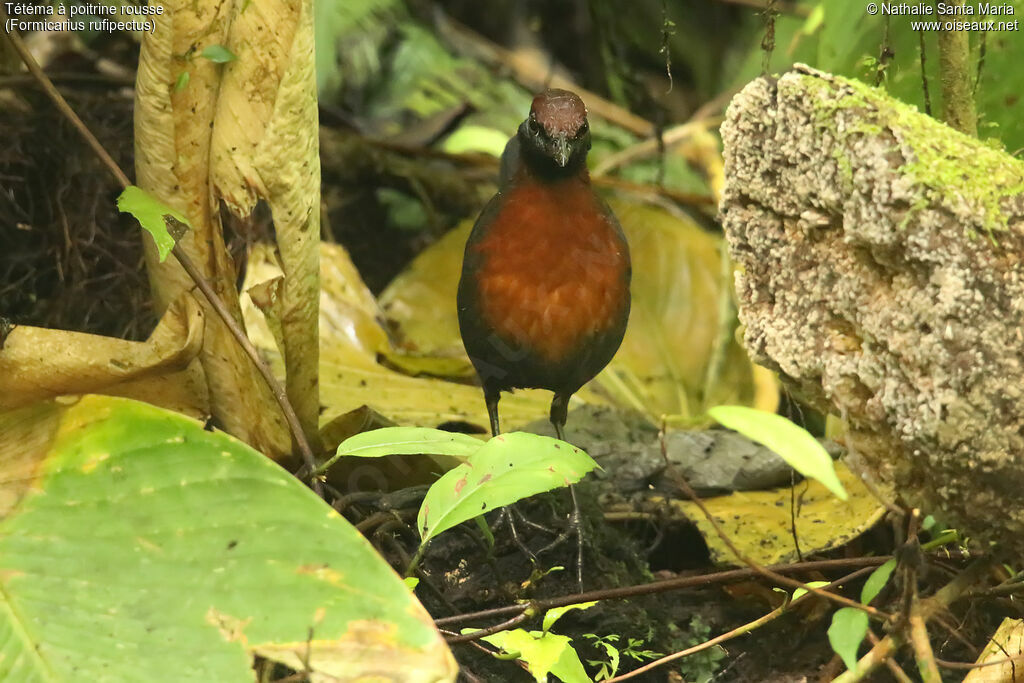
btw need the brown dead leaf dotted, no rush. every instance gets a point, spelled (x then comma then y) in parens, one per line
(37, 364)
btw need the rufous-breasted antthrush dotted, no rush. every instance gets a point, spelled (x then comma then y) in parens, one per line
(544, 294)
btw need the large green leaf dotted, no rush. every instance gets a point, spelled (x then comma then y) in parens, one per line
(135, 545)
(508, 468)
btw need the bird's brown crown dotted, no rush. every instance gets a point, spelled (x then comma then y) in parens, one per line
(559, 112)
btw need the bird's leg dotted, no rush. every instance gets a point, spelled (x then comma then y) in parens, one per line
(576, 526)
(559, 412)
(491, 398)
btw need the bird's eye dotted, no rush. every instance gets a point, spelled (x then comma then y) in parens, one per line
(533, 126)
(583, 129)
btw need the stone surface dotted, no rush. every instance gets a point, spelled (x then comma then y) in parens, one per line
(878, 258)
(713, 461)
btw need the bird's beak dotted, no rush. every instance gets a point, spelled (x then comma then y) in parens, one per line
(562, 151)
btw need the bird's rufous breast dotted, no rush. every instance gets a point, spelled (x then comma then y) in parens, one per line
(554, 269)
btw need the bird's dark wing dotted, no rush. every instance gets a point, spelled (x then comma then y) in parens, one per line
(509, 162)
(475, 334)
(614, 221)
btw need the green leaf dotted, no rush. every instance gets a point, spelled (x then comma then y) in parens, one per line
(569, 668)
(411, 582)
(542, 653)
(218, 54)
(135, 545)
(812, 584)
(378, 443)
(793, 444)
(409, 441)
(508, 468)
(471, 138)
(150, 212)
(182, 82)
(555, 613)
(849, 626)
(876, 582)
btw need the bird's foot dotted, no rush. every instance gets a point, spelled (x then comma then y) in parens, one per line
(573, 527)
(508, 515)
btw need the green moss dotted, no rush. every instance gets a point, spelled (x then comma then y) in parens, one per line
(826, 102)
(948, 165)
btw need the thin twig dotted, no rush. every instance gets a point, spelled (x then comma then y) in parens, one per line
(982, 49)
(727, 576)
(885, 53)
(215, 301)
(768, 41)
(946, 664)
(953, 630)
(490, 630)
(1013, 588)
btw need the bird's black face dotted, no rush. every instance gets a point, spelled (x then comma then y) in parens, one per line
(556, 136)
(560, 148)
